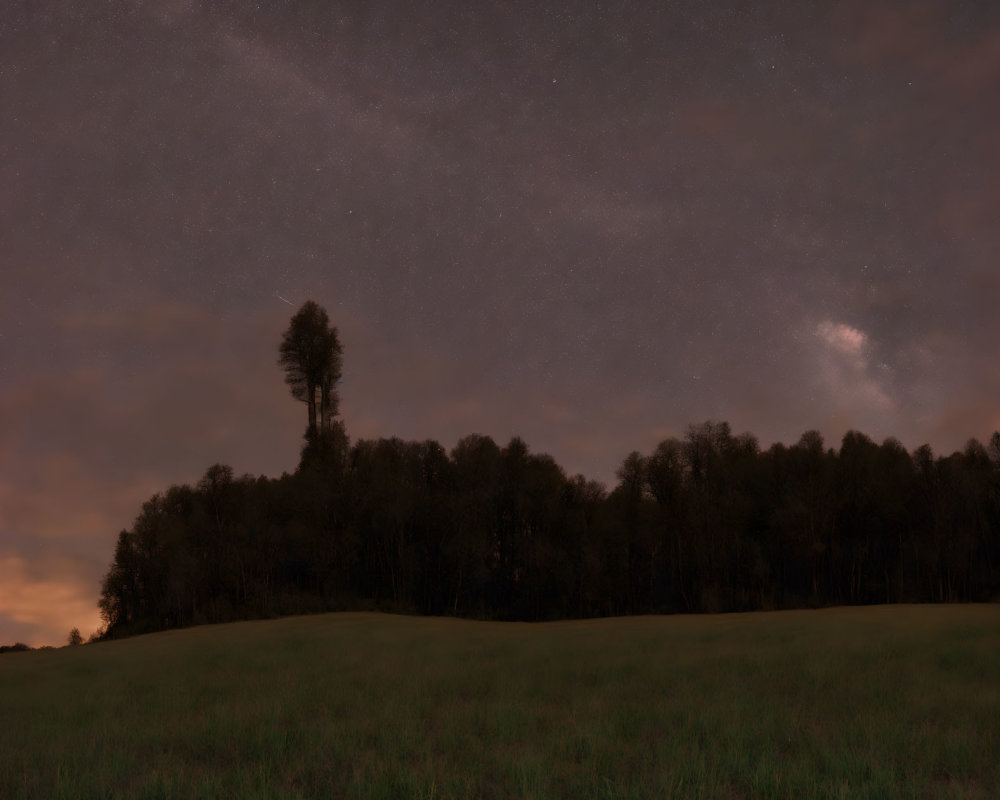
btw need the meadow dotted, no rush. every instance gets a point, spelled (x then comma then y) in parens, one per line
(873, 702)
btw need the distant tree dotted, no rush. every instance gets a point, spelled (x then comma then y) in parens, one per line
(474, 547)
(311, 356)
(120, 602)
(802, 518)
(665, 479)
(384, 496)
(632, 551)
(75, 638)
(994, 449)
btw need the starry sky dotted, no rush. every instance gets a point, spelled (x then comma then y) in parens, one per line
(589, 224)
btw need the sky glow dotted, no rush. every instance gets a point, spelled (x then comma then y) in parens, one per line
(584, 227)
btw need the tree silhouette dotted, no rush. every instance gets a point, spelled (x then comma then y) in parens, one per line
(310, 355)
(709, 522)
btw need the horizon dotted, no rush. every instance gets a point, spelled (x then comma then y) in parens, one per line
(585, 229)
(606, 486)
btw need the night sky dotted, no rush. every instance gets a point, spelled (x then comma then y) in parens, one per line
(589, 224)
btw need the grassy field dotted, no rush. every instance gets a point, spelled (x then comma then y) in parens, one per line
(886, 702)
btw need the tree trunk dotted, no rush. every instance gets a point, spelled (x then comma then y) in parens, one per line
(458, 590)
(324, 408)
(311, 402)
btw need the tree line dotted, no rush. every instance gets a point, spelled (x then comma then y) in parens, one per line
(707, 522)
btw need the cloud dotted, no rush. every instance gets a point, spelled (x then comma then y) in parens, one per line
(881, 33)
(176, 382)
(172, 11)
(155, 321)
(953, 394)
(844, 339)
(86, 444)
(91, 507)
(288, 83)
(854, 390)
(40, 602)
(960, 64)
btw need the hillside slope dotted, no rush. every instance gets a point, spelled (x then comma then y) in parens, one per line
(898, 701)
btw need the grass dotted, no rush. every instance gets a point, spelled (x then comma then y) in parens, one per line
(885, 702)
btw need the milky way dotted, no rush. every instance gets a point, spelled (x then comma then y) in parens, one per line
(587, 224)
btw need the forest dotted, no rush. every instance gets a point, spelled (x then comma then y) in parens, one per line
(709, 522)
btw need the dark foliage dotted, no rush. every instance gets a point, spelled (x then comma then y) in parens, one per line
(17, 647)
(707, 523)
